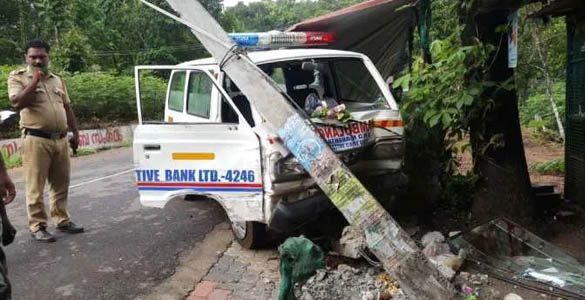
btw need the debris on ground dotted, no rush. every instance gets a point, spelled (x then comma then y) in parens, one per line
(439, 253)
(497, 260)
(515, 255)
(348, 283)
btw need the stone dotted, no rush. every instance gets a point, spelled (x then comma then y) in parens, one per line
(351, 242)
(320, 275)
(512, 296)
(430, 237)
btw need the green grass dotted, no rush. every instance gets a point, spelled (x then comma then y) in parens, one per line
(84, 152)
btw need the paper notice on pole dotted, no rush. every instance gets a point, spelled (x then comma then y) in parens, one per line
(513, 40)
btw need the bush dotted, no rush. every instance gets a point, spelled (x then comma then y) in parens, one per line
(553, 167)
(106, 98)
(102, 98)
(4, 72)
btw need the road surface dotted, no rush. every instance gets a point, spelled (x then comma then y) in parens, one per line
(126, 249)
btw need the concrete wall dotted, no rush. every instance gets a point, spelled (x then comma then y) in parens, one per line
(88, 139)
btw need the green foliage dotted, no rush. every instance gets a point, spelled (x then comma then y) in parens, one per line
(102, 97)
(11, 161)
(443, 18)
(119, 34)
(4, 72)
(269, 15)
(536, 111)
(553, 44)
(116, 35)
(73, 53)
(553, 167)
(443, 94)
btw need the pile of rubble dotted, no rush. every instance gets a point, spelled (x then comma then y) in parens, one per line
(346, 282)
(543, 271)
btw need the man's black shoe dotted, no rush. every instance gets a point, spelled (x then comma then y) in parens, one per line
(70, 228)
(42, 235)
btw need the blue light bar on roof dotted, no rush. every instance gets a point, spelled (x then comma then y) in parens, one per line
(280, 39)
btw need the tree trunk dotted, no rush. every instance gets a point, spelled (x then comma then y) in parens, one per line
(496, 139)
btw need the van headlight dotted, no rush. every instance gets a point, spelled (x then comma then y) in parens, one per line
(285, 168)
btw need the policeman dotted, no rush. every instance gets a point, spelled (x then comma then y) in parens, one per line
(45, 115)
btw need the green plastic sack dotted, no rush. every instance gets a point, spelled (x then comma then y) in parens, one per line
(299, 259)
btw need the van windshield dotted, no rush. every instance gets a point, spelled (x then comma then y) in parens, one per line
(334, 80)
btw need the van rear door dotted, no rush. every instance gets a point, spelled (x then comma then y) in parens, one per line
(218, 159)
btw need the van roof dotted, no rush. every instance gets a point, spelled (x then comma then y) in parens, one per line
(262, 57)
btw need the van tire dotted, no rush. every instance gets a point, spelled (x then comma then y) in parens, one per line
(254, 236)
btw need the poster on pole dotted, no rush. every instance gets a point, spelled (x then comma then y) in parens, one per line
(513, 39)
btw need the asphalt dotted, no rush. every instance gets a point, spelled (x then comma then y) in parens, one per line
(126, 250)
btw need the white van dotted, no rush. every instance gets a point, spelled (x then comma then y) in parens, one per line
(213, 143)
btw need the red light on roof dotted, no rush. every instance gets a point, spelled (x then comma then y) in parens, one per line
(319, 38)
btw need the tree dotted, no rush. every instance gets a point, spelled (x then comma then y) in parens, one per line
(496, 139)
(73, 53)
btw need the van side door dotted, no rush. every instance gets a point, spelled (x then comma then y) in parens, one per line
(216, 158)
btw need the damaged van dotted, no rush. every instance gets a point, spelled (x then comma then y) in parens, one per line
(212, 143)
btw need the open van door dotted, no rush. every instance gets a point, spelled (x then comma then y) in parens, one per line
(214, 154)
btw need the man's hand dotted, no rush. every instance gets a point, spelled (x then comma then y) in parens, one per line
(27, 96)
(74, 142)
(38, 74)
(7, 190)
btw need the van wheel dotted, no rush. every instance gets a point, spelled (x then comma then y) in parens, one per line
(250, 235)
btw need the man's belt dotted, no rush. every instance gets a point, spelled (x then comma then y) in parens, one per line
(45, 134)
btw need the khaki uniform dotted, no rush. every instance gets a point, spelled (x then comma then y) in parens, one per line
(44, 159)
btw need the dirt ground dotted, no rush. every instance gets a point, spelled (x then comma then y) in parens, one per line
(537, 151)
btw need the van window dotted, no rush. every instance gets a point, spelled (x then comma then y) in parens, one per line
(199, 94)
(239, 99)
(278, 77)
(177, 91)
(355, 82)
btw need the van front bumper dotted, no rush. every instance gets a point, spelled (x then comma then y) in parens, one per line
(290, 216)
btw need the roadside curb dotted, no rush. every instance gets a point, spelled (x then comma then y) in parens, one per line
(194, 265)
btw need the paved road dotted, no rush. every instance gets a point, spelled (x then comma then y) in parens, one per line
(126, 249)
